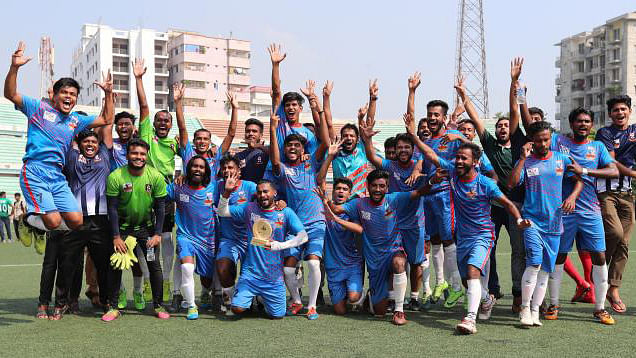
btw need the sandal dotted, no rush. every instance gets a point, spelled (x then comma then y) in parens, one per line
(617, 306)
(58, 312)
(43, 312)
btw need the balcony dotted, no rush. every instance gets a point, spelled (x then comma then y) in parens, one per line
(161, 89)
(239, 80)
(161, 71)
(239, 62)
(161, 53)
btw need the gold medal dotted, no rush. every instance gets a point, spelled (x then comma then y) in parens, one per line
(262, 231)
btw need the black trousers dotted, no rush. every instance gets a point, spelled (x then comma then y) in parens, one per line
(16, 223)
(154, 267)
(94, 235)
(52, 267)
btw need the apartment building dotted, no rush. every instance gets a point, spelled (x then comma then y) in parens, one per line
(594, 66)
(102, 48)
(209, 66)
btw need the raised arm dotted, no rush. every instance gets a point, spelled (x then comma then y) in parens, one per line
(413, 82)
(277, 57)
(515, 71)
(139, 70)
(469, 107)
(373, 99)
(331, 153)
(454, 117)
(178, 90)
(515, 176)
(11, 81)
(428, 152)
(274, 152)
(107, 115)
(367, 133)
(326, 107)
(231, 131)
(314, 105)
(323, 135)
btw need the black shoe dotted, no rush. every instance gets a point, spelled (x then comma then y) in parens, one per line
(175, 306)
(390, 306)
(320, 299)
(217, 302)
(73, 308)
(414, 305)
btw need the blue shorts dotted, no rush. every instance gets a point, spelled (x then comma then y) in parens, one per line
(474, 251)
(440, 216)
(46, 190)
(379, 277)
(588, 231)
(230, 249)
(204, 257)
(273, 294)
(413, 244)
(541, 248)
(314, 246)
(343, 281)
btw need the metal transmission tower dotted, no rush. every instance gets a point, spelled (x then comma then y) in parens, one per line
(46, 59)
(471, 53)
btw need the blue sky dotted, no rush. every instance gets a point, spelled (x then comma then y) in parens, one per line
(349, 42)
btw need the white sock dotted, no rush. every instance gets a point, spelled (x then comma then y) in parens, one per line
(554, 284)
(138, 284)
(167, 253)
(484, 281)
(228, 293)
(528, 284)
(37, 222)
(176, 276)
(399, 287)
(426, 275)
(292, 284)
(415, 295)
(392, 295)
(143, 265)
(187, 283)
(438, 261)
(450, 265)
(473, 295)
(313, 281)
(539, 290)
(599, 276)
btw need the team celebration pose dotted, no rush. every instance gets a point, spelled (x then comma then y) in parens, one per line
(320, 200)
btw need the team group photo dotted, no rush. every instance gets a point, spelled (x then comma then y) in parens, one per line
(179, 192)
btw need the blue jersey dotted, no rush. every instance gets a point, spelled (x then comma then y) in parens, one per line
(590, 155)
(187, 152)
(298, 182)
(229, 229)
(471, 202)
(340, 248)
(266, 264)
(118, 154)
(543, 181)
(445, 151)
(621, 142)
(354, 166)
(381, 236)
(49, 132)
(284, 129)
(484, 164)
(195, 213)
(397, 183)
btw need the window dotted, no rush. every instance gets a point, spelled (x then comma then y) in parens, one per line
(581, 48)
(194, 48)
(617, 34)
(120, 48)
(159, 103)
(580, 66)
(194, 66)
(194, 102)
(121, 101)
(160, 86)
(616, 54)
(120, 65)
(120, 84)
(194, 84)
(615, 74)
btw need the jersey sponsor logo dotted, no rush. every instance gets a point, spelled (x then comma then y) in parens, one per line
(241, 198)
(73, 123)
(365, 215)
(280, 220)
(307, 164)
(259, 160)
(617, 143)
(591, 153)
(632, 137)
(50, 116)
(442, 147)
(209, 199)
(127, 187)
(148, 188)
(117, 146)
(563, 149)
(289, 172)
(184, 198)
(559, 167)
(388, 213)
(471, 194)
(532, 172)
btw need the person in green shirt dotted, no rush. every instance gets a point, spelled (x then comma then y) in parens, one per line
(133, 192)
(5, 210)
(161, 157)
